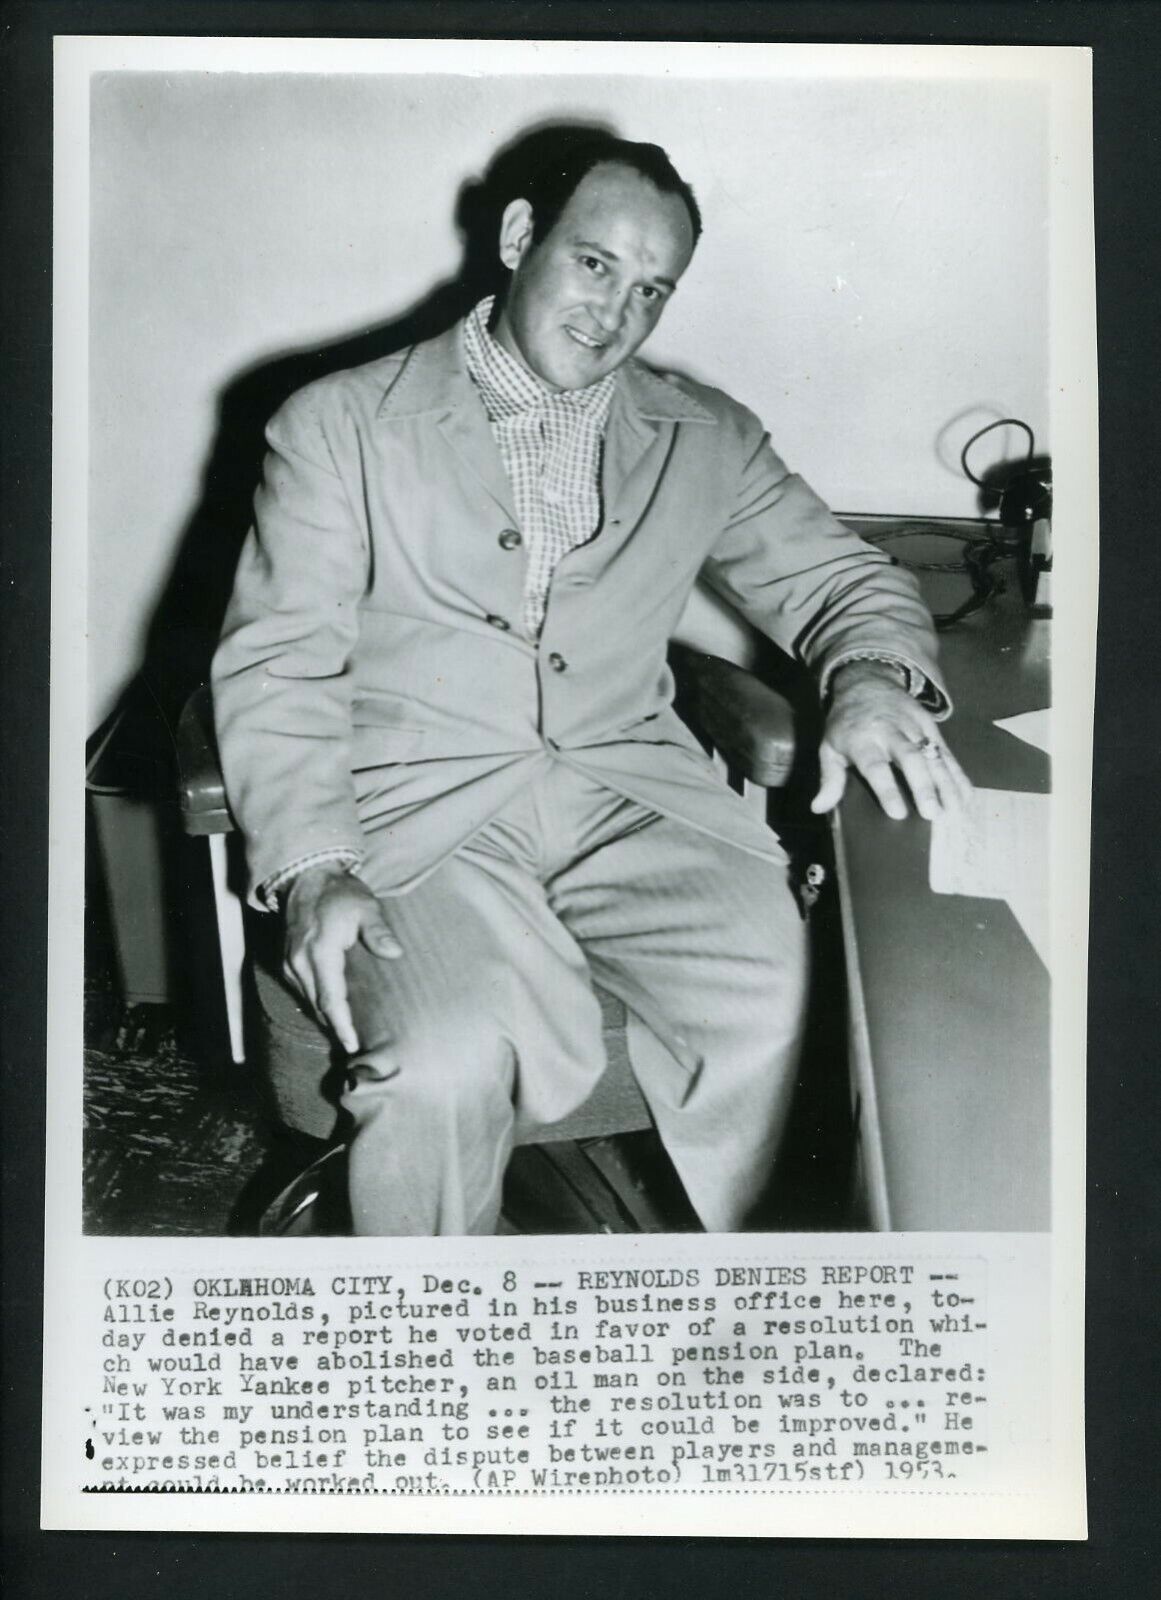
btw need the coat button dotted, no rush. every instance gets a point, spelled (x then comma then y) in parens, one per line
(509, 539)
(499, 622)
(557, 662)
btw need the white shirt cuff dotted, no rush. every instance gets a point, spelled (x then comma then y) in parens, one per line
(270, 888)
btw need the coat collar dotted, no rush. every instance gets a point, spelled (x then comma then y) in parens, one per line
(433, 378)
(433, 382)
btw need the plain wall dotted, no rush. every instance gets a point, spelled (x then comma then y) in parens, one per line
(872, 279)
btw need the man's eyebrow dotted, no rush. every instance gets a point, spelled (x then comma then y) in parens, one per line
(597, 249)
(611, 255)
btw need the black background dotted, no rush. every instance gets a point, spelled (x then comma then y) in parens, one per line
(1124, 1055)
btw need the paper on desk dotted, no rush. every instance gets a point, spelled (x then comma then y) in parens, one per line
(997, 849)
(1031, 726)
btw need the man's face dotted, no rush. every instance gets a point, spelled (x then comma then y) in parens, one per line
(583, 299)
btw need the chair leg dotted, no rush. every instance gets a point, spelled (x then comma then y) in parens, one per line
(231, 943)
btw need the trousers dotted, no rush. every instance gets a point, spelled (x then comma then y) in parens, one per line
(488, 1026)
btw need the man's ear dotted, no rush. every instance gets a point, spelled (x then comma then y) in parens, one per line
(515, 233)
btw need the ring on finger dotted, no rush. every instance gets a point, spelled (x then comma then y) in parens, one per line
(930, 749)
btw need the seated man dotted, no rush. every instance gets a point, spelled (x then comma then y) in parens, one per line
(444, 714)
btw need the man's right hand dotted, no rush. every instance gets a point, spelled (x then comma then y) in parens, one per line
(327, 911)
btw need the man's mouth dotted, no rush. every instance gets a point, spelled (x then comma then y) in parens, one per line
(585, 340)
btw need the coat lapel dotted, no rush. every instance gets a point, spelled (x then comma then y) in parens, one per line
(628, 439)
(434, 383)
(639, 438)
(468, 432)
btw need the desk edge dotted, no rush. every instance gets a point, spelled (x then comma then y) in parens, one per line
(869, 1133)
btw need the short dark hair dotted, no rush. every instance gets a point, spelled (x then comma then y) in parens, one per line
(553, 184)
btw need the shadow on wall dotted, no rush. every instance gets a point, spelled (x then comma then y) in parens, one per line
(185, 626)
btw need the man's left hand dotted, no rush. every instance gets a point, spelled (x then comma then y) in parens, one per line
(875, 726)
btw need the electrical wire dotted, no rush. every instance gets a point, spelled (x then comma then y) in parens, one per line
(977, 560)
(1003, 422)
(980, 552)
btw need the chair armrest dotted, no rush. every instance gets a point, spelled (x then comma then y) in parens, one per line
(750, 724)
(201, 789)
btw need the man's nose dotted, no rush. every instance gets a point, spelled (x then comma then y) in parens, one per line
(608, 307)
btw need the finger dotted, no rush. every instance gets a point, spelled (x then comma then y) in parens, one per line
(878, 774)
(955, 776)
(951, 783)
(336, 1009)
(338, 1019)
(300, 976)
(921, 780)
(329, 960)
(378, 938)
(832, 779)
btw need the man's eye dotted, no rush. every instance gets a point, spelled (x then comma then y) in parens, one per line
(648, 292)
(593, 264)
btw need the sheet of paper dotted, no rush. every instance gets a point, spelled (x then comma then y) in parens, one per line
(998, 850)
(1031, 726)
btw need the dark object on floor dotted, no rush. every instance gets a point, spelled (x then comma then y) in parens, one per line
(314, 1204)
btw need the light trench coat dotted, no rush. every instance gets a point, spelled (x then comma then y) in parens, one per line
(374, 689)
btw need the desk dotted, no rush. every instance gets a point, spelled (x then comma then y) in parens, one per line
(949, 1003)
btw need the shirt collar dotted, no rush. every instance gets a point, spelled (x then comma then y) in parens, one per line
(509, 389)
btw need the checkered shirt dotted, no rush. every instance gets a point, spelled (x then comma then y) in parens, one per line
(550, 443)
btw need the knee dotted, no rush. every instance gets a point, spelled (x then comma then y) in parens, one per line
(449, 1061)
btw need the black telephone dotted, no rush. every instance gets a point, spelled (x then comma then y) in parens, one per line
(1025, 510)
